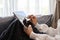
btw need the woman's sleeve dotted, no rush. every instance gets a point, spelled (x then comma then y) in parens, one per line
(48, 30)
(37, 36)
(43, 37)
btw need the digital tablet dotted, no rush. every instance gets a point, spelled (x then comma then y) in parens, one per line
(20, 15)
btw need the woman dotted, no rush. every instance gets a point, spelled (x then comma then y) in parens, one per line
(51, 33)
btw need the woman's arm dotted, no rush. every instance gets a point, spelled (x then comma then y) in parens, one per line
(44, 28)
(43, 37)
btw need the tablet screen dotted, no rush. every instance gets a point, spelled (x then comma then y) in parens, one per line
(20, 15)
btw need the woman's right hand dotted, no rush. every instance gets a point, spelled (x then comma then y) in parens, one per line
(33, 19)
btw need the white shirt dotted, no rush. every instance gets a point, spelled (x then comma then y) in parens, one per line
(51, 33)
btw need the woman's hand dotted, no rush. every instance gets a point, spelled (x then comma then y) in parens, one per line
(33, 19)
(28, 30)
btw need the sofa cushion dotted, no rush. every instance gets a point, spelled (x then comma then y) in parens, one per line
(47, 19)
(4, 22)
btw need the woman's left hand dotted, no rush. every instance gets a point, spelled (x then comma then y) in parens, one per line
(28, 30)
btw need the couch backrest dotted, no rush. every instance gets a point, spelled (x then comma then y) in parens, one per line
(47, 19)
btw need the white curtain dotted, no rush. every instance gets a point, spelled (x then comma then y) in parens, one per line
(1, 7)
(9, 6)
(52, 4)
(36, 7)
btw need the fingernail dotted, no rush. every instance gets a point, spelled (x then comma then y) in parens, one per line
(29, 25)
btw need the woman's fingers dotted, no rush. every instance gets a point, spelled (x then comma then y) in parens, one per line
(28, 30)
(25, 28)
(33, 19)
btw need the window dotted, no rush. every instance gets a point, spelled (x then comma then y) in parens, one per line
(1, 7)
(6, 8)
(37, 7)
(44, 7)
